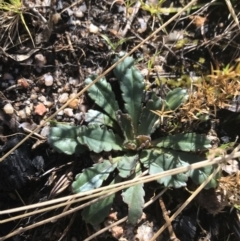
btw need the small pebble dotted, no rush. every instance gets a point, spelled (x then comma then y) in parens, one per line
(73, 81)
(23, 82)
(60, 113)
(48, 79)
(42, 98)
(40, 109)
(74, 104)
(25, 125)
(78, 13)
(33, 96)
(56, 18)
(78, 116)
(83, 7)
(48, 103)
(8, 109)
(67, 87)
(93, 28)
(63, 98)
(22, 114)
(68, 111)
(28, 110)
(40, 60)
(45, 131)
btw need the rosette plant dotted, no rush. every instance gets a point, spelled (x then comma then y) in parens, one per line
(127, 134)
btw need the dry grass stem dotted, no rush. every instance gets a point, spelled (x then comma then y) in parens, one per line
(188, 201)
(125, 218)
(219, 160)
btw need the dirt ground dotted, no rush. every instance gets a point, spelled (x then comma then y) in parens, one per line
(47, 50)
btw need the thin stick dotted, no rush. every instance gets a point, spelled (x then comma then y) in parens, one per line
(168, 221)
(125, 218)
(232, 12)
(130, 19)
(185, 203)
(56, 217)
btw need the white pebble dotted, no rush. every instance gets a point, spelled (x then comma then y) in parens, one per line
(60, 112)
(42, 98)
(73, 81)
(48, 79)
(78, 116)
(63, 98)
(33, 96)
(8, 109)
(93, 28)
(68, 112)
(22, 114)
(72, 95)
(28, 110)
(48, 103)
(70, 12)
(25, 125)
(56, 17)
(83, 7)
(78, 13)
(40, 60)
(45, 131)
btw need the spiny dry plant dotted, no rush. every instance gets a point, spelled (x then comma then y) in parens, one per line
(213, 92)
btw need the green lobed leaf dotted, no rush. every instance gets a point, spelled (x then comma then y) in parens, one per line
(97, 117)
(200, 175)
(125, 122)
(127, 165)
(184, 142)
(159, 161)
(148, 118)
(176, 97)
(123, 66)
(98, 211)
(134, 197)
(93, 177)
(132, 86)
(149, 157)
(102, 94)
(63, 138)
(99, 139)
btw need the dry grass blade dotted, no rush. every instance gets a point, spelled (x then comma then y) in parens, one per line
(113, 189)
(123, 185)
(12, 12)
(167, 219)
(232, 12)
(71, 200)
(185, 204)
(125, 218)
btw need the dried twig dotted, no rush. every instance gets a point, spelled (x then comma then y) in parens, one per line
(125, 218)
(185, 204)
(168, 222)
(130, 19)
